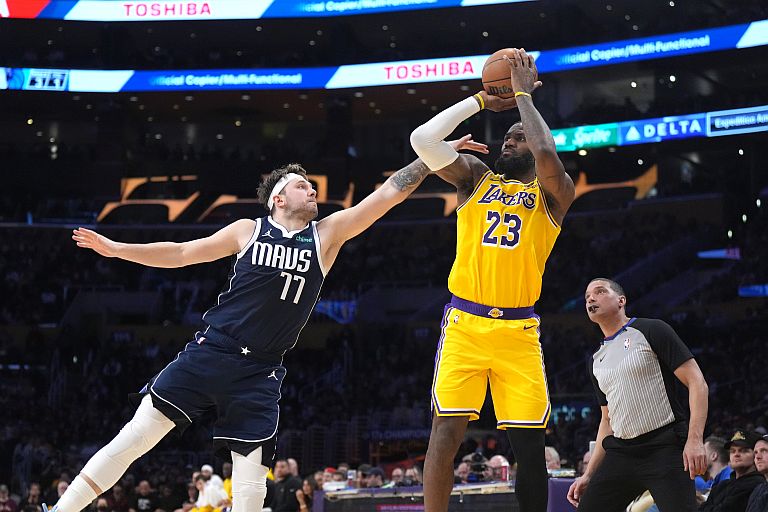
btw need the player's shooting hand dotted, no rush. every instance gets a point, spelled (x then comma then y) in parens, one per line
(694, 458)
(92, 240)
(524, 74)
(576, 491)
(496, 104)
(466, 143)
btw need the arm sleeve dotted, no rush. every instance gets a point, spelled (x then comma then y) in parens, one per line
(668, 346)
(601, 398)
(428, 139)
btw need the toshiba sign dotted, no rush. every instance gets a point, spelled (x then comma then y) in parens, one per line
(159, 10)
(407, 72)
(166, 9)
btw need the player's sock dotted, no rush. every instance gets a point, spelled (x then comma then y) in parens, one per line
(77, 496)
(249, 481)
(531, 485)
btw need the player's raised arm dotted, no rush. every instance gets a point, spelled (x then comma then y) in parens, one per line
(549, 169)
(463, 171)
(225, 242)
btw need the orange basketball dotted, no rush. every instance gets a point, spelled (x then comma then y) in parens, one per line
(496, 80)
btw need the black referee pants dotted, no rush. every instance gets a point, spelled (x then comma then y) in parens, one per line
(652, 461)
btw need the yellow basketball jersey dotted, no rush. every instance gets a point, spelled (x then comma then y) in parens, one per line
(505, 233)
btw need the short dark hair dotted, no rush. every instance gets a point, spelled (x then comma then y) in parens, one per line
(718, 444)
(613, 285)
(269, 181)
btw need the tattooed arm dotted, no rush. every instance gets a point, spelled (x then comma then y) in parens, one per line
(339, 227)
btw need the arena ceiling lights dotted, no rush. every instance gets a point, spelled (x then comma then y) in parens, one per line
(201, 10)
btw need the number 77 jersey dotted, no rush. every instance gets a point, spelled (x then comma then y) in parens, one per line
(272, 288)
(505, 233)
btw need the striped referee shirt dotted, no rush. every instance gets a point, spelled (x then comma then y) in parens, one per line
(633, 374)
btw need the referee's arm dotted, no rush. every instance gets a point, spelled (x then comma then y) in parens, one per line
(579, 486)
(694, 459)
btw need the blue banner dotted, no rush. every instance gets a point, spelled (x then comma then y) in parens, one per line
(662, 128)
(228, 79)
(742, 120)
(754, 290)
(669, 45)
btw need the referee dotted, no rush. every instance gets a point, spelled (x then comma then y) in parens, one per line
(644, 440)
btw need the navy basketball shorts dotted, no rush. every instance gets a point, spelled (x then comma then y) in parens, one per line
(242, 386)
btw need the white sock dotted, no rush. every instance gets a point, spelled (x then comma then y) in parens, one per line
(77, 496)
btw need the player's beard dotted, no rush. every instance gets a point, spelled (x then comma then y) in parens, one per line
(515, 166)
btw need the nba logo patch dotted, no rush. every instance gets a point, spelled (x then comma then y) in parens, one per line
(627, 343)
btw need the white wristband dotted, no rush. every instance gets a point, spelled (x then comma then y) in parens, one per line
(428, 139)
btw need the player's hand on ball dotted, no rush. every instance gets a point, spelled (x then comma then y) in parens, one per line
(497, 104)
(92, 240)
(524, 74)
(466, 143)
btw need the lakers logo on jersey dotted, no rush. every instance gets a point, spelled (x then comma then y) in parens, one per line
(505, 234)
(496, 193)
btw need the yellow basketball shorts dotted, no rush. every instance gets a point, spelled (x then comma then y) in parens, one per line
(473, 351)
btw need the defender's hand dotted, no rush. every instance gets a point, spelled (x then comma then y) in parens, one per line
(466, 143)
(92, 240)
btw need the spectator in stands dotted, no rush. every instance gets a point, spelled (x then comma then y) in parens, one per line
(33, 500)
(145, 499)
(117, 499)
(293, 466)
(396, 478)
(496, 465)
(210, 477)
(635, 372)
(226, 473)
(583, 463)
(758, 500)
(362, 475)
(191, 499)
(328, 475)
(339, 476)
(305, 494)
(286, 486)
(375, 478)
(413, 476)
(717, 464)
(209, 497)
(552, 457)
(733, 494)
(166, 499)
(462, 473)
(61, 487)
(6, 502)
(319, 478)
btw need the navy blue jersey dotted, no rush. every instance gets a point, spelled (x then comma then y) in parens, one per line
(273, 286)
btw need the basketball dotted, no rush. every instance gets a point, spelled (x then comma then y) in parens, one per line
(496, 79)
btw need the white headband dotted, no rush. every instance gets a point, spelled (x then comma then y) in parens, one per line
(280, 185)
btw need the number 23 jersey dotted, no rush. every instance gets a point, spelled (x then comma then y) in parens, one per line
(505, 233)
(272, 288)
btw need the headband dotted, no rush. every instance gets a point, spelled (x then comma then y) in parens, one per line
(280, 185)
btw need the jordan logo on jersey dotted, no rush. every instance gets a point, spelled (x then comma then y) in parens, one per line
(280, 256)
(494, 193)
(268, 234)
(273, 375)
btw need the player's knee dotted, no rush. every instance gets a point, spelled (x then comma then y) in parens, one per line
(249, 482)
(449, 429)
